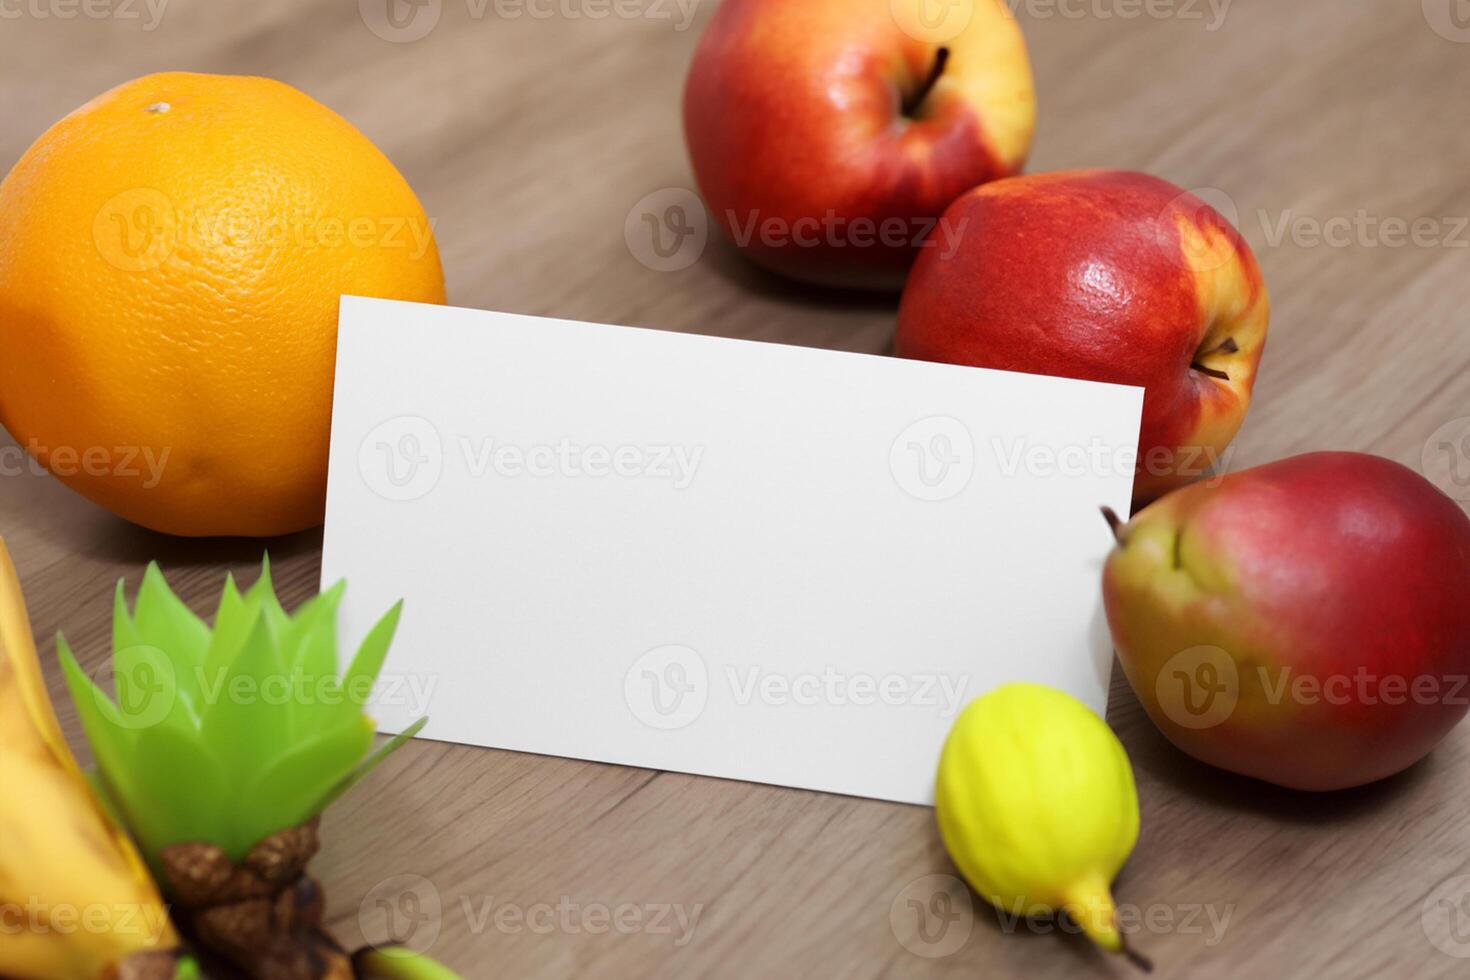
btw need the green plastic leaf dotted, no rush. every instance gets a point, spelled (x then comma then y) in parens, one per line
(290, 791)
(247, 720)
(232, 624)
(111, 741)
(371, 763)
(323, 704)
(264, 593)
(228, 734)
(124, 631)
(315, 651)
(163, 622)
(370, 656)
(180, 792)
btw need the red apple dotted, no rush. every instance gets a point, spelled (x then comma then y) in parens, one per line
(828, 136)
(1103, 275)
(1306, 622)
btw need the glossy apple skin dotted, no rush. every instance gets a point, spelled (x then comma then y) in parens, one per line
(1328, 565)
(1103, 275)
(792, 115)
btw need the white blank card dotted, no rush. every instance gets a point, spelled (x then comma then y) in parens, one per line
(714, 556)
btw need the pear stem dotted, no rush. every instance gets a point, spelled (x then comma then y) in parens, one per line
(1115, 524)
(1133, 956)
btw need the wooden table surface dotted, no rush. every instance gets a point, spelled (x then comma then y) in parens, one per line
(1323, 123)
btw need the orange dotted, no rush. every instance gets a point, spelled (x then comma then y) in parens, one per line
(171, 258)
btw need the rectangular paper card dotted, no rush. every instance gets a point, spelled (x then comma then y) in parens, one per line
(713, 556)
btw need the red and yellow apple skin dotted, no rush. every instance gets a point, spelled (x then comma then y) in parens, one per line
(1304, 622)
(1102, 275)
(794, 118)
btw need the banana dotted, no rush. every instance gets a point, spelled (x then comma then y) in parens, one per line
(1036, 804)
(75, 897)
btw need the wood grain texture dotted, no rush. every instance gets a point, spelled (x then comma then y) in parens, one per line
(529, 140)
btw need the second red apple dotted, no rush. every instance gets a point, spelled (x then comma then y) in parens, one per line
(1102, 275)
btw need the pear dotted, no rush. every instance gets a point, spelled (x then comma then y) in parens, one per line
(1304, 622)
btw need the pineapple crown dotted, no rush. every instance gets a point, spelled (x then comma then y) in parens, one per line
(230, 734)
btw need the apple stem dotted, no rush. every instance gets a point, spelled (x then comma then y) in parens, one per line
(1228, 346)
(1115, 523)
(912, 104)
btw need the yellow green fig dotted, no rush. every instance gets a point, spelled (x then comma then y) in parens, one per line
(1036, 804)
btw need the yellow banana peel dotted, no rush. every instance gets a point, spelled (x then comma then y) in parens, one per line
(75, 897)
